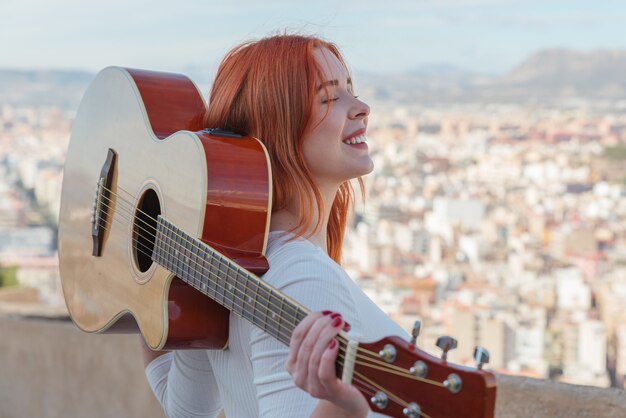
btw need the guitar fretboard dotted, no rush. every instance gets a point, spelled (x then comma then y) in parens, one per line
(224, 281)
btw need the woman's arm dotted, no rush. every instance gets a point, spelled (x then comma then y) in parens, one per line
(309, 278)
(183, 382)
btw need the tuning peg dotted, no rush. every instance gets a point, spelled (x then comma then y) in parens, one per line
(417, 326)
(380, 400)
(481, 356)
(388, 353)
(412, 410)
(446, 344)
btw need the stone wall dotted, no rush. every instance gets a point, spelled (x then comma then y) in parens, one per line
(49, 369)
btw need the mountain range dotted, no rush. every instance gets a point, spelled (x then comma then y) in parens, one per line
(547, 76)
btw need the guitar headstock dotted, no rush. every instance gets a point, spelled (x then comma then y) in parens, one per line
(400, 380)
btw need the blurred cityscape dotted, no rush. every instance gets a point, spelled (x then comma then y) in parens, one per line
(501, 223)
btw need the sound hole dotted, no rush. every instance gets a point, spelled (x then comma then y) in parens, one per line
(144, 229)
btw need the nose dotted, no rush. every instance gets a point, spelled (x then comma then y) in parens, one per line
(359, 110)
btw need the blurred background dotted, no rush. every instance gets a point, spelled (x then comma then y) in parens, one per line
(496, 212)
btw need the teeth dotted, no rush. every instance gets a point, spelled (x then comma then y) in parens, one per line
(356, 140)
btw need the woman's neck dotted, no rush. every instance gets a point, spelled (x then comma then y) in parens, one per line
(286, 219)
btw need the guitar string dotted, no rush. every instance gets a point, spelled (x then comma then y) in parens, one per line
(393, 397)
(371, 390)
(398, 400)
(132, 204)
(340, 356)
(204, 269)
(375, 356)
(267, 300)
(226, 291)
(390, 368)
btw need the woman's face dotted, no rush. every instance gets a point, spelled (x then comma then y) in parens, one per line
(338, 120)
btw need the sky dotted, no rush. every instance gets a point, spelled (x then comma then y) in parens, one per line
(383, 36)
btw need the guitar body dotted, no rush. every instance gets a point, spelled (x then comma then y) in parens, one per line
(214, 187)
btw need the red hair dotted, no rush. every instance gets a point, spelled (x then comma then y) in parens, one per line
(267, 89)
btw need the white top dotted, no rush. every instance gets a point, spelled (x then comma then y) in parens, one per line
(249, 379)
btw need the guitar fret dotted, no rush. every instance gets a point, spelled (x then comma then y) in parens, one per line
(170, 247)
(262, 321)
(184, 261)
(230, 290)
(245, 300)
(219, 280)
(180, 260)
(255, 300)
(214, 277)
(177, 253)
(280, 316)
(269, 317)
(190, 264)
(223, 277)
(183, 265)
(205, 279)
(196, 266)
(224, 281)
(271, 303)
(248, 303)
(239, 293)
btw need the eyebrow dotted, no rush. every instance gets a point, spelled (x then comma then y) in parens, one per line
(334, 82)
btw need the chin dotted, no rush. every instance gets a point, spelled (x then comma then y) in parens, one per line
(368, 169)
(362, 173)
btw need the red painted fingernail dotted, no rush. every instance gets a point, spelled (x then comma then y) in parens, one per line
(347, 327)
(335, 315)
(336, 322)
(326, 312)
(333, 344)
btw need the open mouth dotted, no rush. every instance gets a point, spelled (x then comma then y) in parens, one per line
(356, 140)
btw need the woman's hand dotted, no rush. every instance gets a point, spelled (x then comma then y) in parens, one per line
(311, 362)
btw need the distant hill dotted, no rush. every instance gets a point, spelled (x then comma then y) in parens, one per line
(566, 73)
(549, 76)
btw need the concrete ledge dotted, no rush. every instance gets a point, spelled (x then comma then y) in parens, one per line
(520, 397)
(48, 368)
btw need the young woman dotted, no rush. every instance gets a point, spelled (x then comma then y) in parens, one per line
(295, 94)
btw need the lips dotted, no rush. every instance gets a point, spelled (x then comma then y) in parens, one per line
(360, 132)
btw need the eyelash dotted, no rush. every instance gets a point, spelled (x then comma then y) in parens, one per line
(334, 99)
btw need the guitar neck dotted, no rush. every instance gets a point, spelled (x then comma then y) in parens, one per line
(224, 281)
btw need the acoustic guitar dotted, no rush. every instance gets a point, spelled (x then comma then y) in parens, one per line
(163, 229)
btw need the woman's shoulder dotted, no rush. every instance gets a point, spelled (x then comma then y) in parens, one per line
(286, 250)
(306, 273)
(303, 270)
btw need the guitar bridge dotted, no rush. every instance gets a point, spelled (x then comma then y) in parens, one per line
(102, 203)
